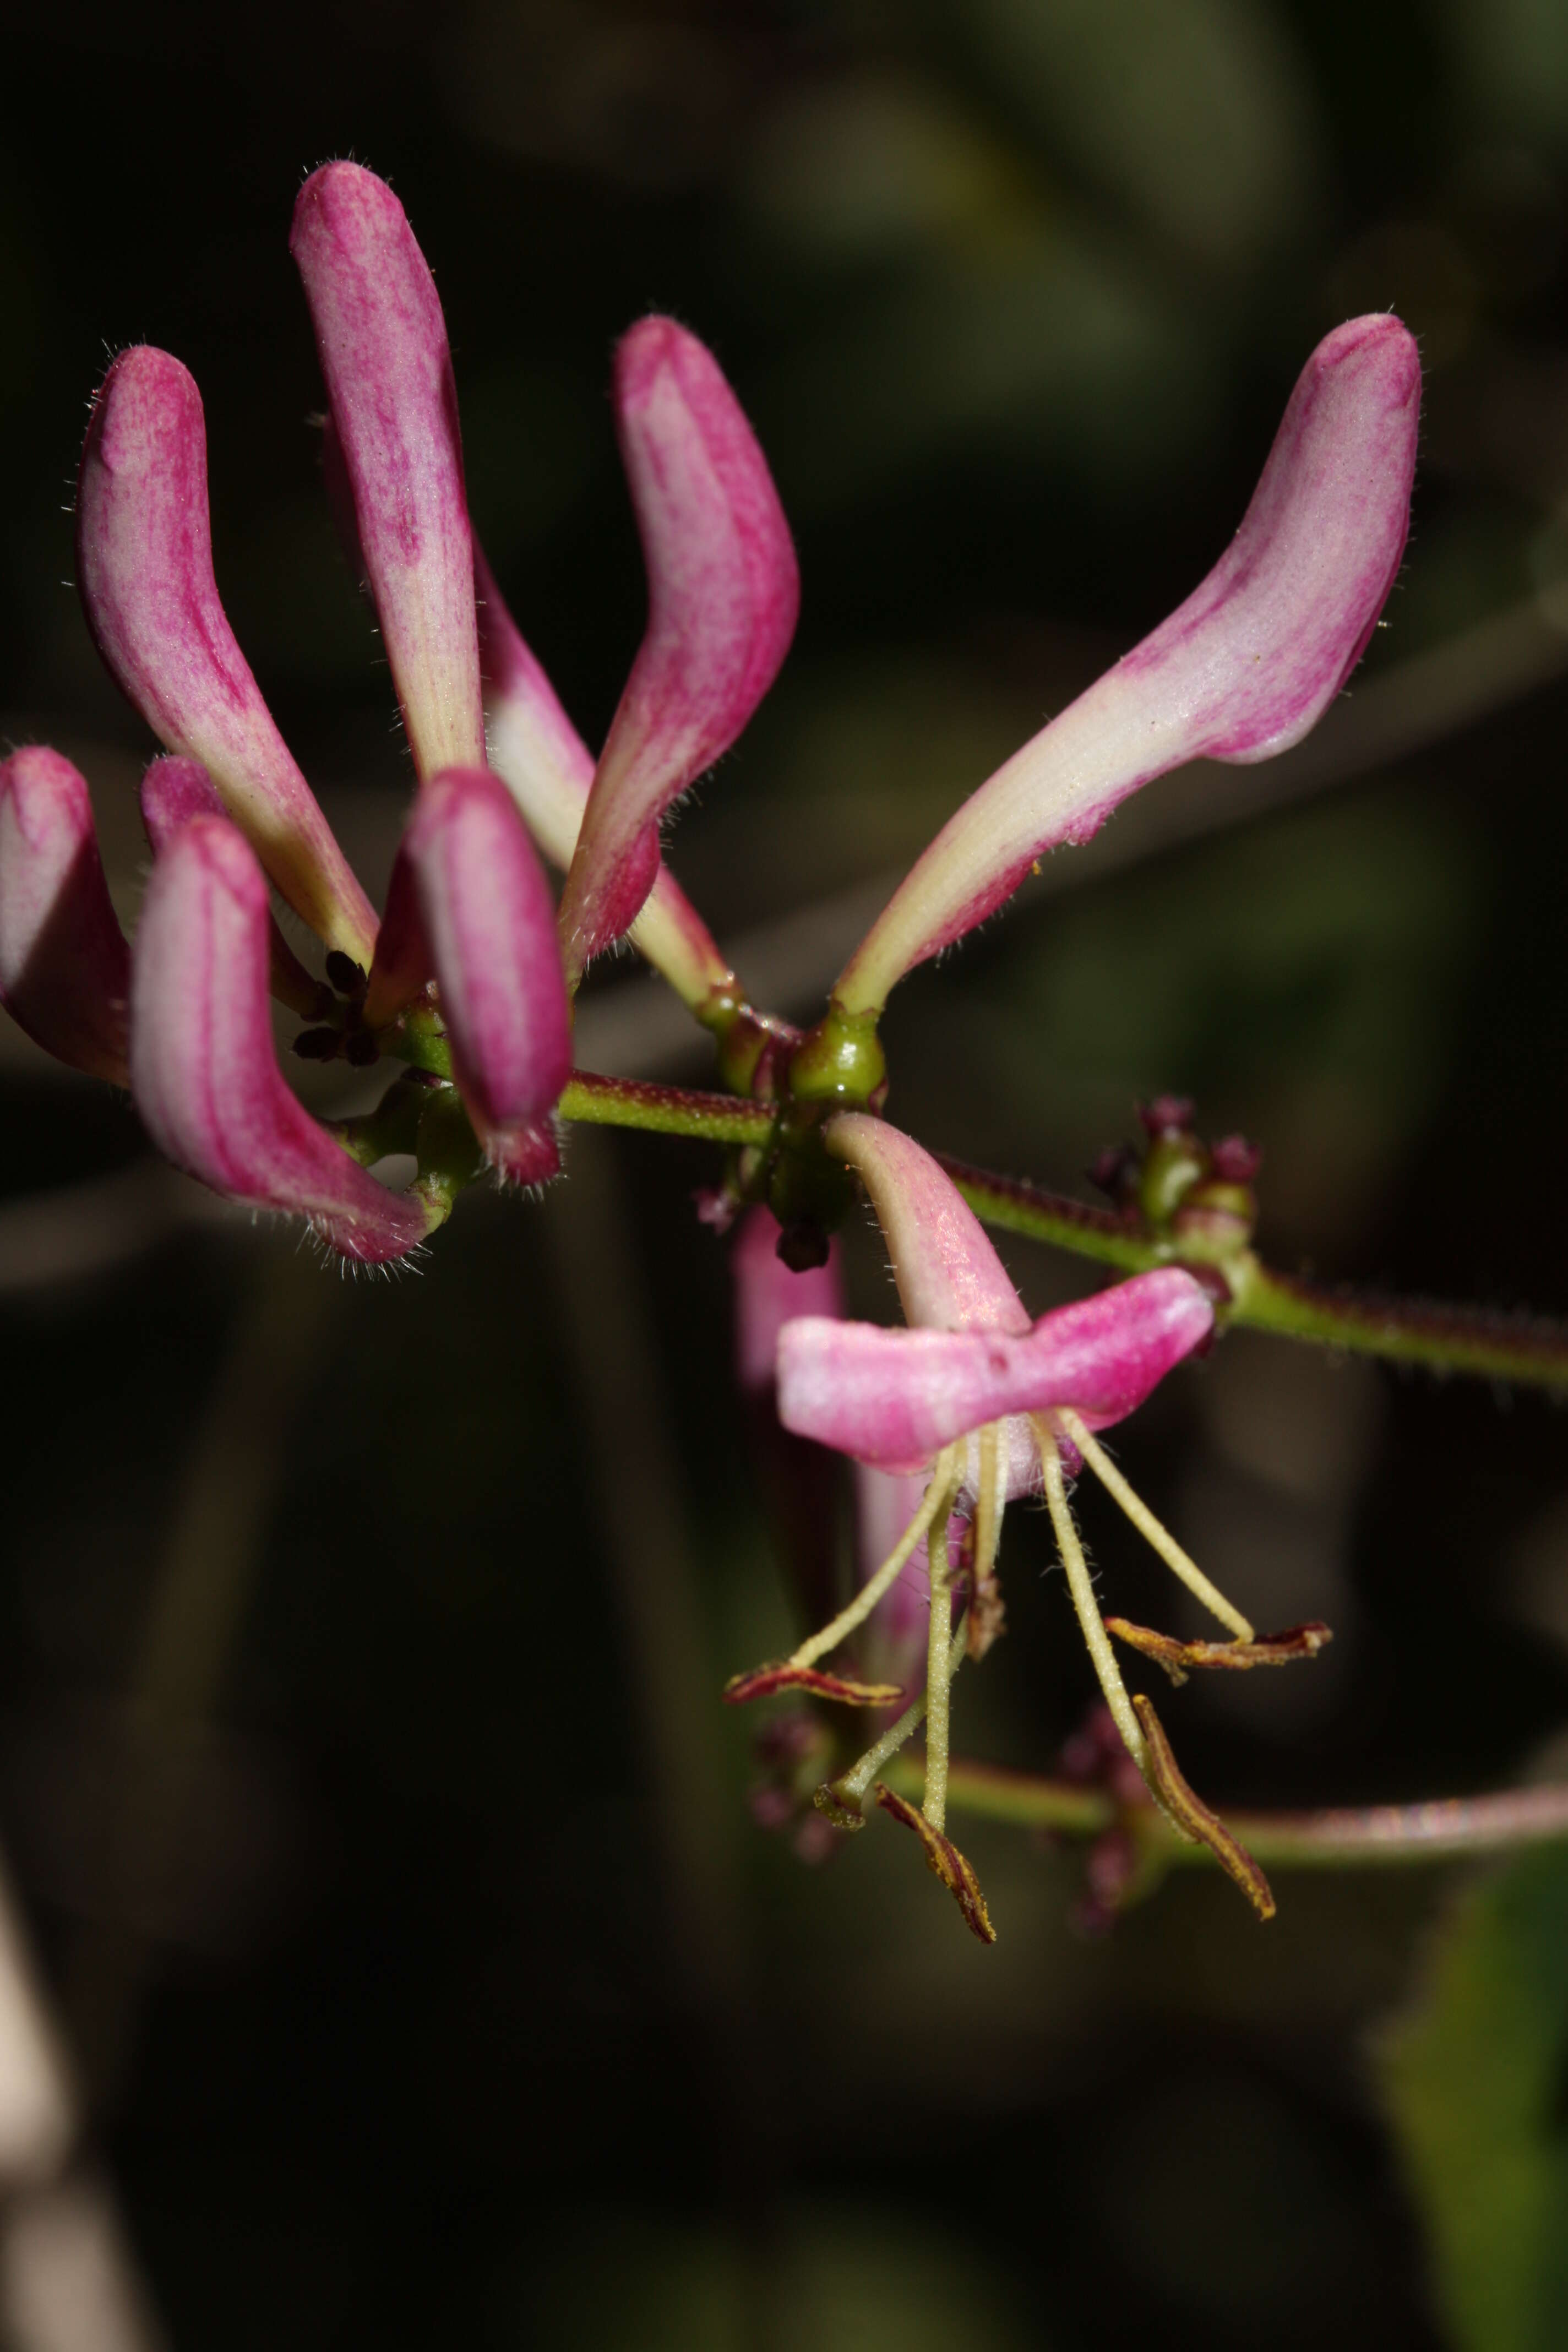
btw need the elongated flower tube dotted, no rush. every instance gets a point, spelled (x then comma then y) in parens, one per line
(468, 903)
(65, 970)
(384, 351)
(800, 1481)
(548, 770)
(145, 572)
(203, 1070)
(1240, 671)
(723, 594)
(173, 792)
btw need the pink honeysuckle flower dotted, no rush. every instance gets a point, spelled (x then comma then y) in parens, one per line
(987, 1405)
(144, 568)
(203, 1069)
(65, 972)
(1240, 671)
(723, 593)
(970, 1356)
(174, 790)
(384, 351)
(468, 906)
(548, 769)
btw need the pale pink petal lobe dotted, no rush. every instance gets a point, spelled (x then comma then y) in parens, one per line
(203, 1069)
(947, 1270)
(144, 568)
(388, 371)
(893, 1399)
(487, 921)
(1240, 671)
(723, 594)
(174, 790)
(65, 970)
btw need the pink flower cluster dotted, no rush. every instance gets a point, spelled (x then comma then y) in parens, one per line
(469, 938)
(472, 966)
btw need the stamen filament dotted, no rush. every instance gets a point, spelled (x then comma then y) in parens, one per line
(851, 1786)
(988, 1503)
(1153, 1531)
(939, 1672)
(1081, 1586)
(938, 1498)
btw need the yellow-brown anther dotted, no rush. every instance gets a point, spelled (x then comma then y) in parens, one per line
(944, 1860)
(1265, 1650)
(1195, 1820)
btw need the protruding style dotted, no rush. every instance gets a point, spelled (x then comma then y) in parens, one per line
(203, 1070)
(723, 593)
(388, 370)
(144, 568)
(469, 906)
(1240, 671)
(64, 967)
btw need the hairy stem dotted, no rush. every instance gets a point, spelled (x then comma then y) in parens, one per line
(1446, 1338)
(1338, 1838)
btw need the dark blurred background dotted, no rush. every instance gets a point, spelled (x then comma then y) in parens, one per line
(362, 1777)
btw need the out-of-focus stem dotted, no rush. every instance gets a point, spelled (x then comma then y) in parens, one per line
(1335, 1838)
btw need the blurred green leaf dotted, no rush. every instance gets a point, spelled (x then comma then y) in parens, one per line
(1194, 115)
(1474, 2081)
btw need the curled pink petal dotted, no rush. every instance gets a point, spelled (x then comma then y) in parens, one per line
(470, 904)
(65, 970)
(388, 371)
(1240, 671)
(173, 792)
(547, 768)
(203, 1069)
(948, 1272)
(723, 593)
(145, 570)
(893, 1399)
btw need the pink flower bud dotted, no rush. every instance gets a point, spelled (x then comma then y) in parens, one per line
(1240, 671)
(173, 792)
(470, 903)
(145, 570)
(64, 968)
(723, 593)
(203, 1069)
(547, 768)
(388, 371)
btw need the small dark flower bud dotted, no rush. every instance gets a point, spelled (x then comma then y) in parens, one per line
(346, 976)
(1166, 1115)
(1235, 1160)
(316, 1044)
(1115, 1172)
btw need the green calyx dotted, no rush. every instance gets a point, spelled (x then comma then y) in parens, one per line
(450, 1154)
(840, 1061)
